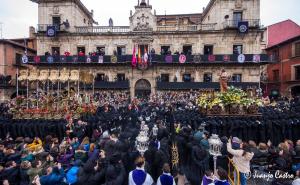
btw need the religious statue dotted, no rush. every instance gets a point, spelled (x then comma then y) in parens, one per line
(224, 77)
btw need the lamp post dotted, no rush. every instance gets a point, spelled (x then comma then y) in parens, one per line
(215, 145)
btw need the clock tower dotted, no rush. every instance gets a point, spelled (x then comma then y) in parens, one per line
(143, 18)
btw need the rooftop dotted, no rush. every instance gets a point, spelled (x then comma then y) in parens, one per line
(278, 33)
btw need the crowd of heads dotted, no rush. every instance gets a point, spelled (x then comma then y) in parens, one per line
(101, 148)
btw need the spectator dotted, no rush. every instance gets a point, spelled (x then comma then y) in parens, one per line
(55, 176)
(241, 159)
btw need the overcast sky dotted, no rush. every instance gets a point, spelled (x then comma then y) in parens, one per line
(18, 15)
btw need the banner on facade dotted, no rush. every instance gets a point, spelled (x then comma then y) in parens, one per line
(51, 31)
(88, 59)
(169, 58)
(241, 58)
(243, 26)
(197, 59)
(63, 59)
(37, 59)
(211, 58)
(100, 59)
(226, 58)
(182, 59)
(50, 59)
(24, 59)
(256, 58)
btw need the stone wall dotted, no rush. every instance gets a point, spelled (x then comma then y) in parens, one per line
(221, 8)
(65, 10)
(222, 41)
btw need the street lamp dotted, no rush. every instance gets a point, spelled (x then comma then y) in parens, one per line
(215, 145)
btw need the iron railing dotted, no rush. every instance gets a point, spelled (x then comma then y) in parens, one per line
(253, 23)
(154, 58)
(102, 29)
(43, 27)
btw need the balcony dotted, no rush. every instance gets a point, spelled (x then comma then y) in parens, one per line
(43, 27)
(102, 29)
(202, 85)
(174, 28)
(155, 59)
(112, 85)
(177, 28)
(253, 23)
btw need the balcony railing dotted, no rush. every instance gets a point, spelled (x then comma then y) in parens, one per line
(186, 28)
(153, 58)
(253, 23)
(112, 85)
(202, 85)
(43, 27)
(102, 29)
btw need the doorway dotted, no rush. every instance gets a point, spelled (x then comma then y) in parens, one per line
(142, 88)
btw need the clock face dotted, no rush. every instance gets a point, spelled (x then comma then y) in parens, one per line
(243, 28)
(241, 58)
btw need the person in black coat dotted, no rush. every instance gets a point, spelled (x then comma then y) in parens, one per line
(199, 161)
(24, 178)
(11, 173)
(86, 174)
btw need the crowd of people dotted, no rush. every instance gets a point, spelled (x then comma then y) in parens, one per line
(101, 148)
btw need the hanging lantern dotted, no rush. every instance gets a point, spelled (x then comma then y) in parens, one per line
(215, 145)
(154, 131)
(142, 140)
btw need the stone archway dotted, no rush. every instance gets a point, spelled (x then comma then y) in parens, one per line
(142, 88)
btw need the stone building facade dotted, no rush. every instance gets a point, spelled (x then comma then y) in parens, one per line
(210, 35)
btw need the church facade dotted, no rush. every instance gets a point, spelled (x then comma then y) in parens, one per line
(155, 52)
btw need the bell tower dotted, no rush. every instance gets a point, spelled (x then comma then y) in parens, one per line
(143, 18)
(143, 3)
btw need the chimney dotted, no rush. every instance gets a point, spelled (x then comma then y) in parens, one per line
(31, 32)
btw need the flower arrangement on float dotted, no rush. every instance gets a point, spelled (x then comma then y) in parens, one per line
(234, 101)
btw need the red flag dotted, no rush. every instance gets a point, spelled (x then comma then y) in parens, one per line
(139, 56)
(133, 62)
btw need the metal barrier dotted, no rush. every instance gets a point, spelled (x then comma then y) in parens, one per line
(231, 170)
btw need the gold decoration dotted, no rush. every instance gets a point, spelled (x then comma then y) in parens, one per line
(175, 155)
(44, 75)
(86, 77)
(64, 75)
(74, 77)
(54, 75)
(23, 74)
(114, 59)
(34, 73)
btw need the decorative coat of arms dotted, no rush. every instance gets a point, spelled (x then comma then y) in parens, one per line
(142, 22)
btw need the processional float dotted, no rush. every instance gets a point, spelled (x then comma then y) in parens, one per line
(41, 79)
